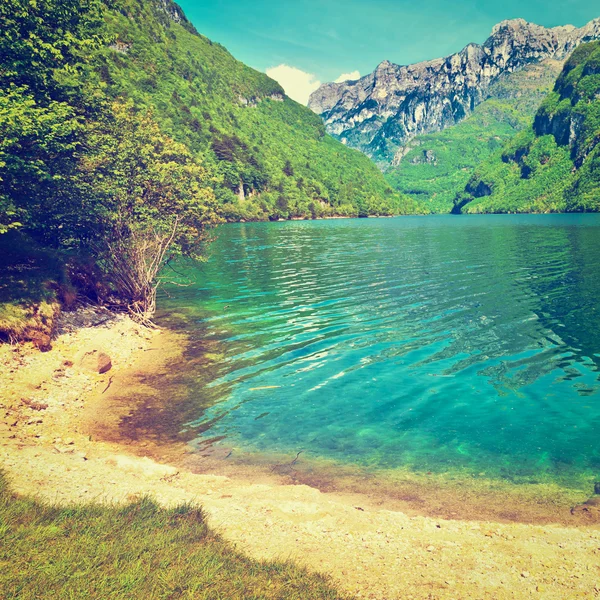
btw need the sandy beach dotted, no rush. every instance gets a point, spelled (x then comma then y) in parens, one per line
(55, 405)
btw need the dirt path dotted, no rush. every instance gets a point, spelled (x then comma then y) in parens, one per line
(46, 450)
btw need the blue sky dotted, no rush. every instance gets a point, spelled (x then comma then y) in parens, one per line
(329, 37)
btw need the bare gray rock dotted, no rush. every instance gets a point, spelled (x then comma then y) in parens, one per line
(383, 111)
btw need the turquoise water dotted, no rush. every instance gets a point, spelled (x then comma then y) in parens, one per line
(434, 344)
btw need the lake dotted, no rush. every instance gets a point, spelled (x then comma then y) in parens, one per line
(438, 344)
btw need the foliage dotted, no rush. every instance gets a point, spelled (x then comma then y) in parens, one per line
(149, 199)
(38, 147)
(230, 130)
(41, 48)
(554, 165)
(43, 44)
(125, 132)
(436, 166)
(256, 143)
(134, 551)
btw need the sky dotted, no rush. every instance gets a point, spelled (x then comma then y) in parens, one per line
(303, 43)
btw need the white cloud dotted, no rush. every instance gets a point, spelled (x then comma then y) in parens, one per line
(353, 76)
(297, 84)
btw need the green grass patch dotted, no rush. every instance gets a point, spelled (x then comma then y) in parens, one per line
(135, 551)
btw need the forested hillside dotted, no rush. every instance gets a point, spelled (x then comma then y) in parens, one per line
(65, 61)
(554, 165)
(433, 168)
(270, 155)
(125, 136)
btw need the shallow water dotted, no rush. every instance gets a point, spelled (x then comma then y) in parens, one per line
(437, 344)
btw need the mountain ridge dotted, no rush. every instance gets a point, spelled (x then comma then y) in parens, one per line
(385, 109)
(270, 157)
(554, 165)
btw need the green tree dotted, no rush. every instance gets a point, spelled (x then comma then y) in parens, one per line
(38, 146)
(43, 49)
(152, 202)
(43, 43)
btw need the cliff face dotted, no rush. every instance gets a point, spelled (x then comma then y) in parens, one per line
(555, 164)
(572, 112)
(382, 111)
(432, 168)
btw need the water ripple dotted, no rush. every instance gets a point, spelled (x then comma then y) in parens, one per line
(421, 342)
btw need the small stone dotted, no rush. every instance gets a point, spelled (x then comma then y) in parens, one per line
(104, 363)
(430, 548)
(525, 574)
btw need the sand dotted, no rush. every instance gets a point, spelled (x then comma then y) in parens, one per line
(55, 405)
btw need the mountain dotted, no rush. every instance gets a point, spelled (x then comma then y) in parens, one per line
(432, 168)
(270, 157)
(381, 112)
(554, 165)
(125, 135)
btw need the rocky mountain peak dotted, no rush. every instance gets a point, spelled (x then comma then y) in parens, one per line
(509, 24)
(385, 109)
(169, 11)
(384, 65)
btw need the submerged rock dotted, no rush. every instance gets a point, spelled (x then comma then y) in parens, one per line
(590, 508)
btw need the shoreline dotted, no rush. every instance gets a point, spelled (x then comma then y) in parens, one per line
(58, 413)
(431, 214)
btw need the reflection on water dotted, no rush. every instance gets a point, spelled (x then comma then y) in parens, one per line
(432, 343)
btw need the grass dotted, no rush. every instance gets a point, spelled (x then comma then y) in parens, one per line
(135, 551)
